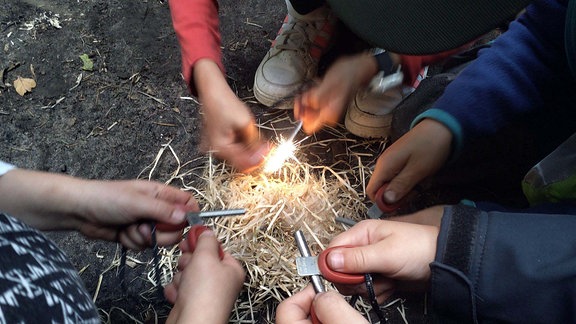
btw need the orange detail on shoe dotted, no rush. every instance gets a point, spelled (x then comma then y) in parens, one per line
(328, 28)
(421, 76)
(321, 41)
(280, 31)
(282, 27)
(316, 52)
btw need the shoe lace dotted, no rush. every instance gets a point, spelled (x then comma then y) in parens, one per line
(297, 34)
(383, 83)
(383, 86)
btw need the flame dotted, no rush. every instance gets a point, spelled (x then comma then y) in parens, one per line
(280, 154)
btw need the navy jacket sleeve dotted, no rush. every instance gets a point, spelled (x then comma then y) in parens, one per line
(505, 267)
(509, 79)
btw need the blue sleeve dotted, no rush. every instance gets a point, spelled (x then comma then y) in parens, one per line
(509, 78)
(498, 267)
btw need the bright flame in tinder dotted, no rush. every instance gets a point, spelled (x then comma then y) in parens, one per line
(284, 151)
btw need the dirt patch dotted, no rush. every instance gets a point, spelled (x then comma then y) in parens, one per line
(109, 123)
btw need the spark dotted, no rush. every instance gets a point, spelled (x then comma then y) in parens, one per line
(280, 154)
(284, 151)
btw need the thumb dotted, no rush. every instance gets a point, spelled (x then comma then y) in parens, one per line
(207, 245)
(330, 307)
(398, 187)
(363, 259)
(158, 202)
(169, 214)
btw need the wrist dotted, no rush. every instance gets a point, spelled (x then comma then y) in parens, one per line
(213, 89)
(43, 200)
(365, 68)
(443, 125)
(199, 309)
(210, 82)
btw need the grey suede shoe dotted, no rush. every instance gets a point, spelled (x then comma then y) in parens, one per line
(294, 55)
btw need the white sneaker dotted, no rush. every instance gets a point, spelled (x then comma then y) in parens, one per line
(369, 115)
(294, 55)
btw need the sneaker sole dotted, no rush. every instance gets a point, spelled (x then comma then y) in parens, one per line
(272, 102)
(367, 125)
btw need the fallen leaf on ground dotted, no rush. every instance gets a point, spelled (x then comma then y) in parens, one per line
(88, 64)
(23, 85)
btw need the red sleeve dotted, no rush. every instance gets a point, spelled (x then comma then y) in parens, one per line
(196, 26)
(412, 64)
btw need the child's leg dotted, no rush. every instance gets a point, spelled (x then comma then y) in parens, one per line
(37, 281)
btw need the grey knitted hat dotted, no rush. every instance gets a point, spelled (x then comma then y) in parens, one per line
(421, 27)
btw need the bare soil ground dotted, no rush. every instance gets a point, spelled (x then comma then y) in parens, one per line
(111, 121)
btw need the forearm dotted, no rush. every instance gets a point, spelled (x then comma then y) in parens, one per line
(202, 310)
(196, 26)
(219, 103)
(43, 200)
(343, 79)
(366, 67)
(211, 85)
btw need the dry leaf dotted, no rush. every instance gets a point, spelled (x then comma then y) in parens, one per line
(24, 85)
(88, 64)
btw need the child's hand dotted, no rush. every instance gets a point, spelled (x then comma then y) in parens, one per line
(329, 307)
(395, 252)
(326, 103)
(205, 288)
(416, 155)
(229, 127)
(124, 211)
(230, 132)
(108, 210)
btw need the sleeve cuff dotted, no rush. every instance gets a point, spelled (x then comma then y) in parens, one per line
(450, 281)
(447, 120)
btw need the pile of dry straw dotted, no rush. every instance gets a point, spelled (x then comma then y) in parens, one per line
(299, 196)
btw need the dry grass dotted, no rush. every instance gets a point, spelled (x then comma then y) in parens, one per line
(300, 196)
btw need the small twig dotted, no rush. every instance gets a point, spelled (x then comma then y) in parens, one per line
(122, 269)
(54, 105)
(78, 80)
(111, 126)
(252, 24)
(191, 99)
(165, 124)
(81, 271)
(152, 97)
(100, 277)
